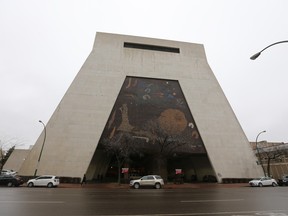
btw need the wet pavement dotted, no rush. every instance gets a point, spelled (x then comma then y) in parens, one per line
(173, 200)
(166, 186)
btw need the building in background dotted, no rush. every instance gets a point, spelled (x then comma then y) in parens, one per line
(272, 157)
(157, 104)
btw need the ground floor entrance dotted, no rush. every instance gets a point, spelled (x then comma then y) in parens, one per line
(184, 168)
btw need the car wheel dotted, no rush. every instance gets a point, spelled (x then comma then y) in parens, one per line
(157, 186)
(10, 184)
(136, 185)
(49, 185)
(30, 184)
(274, 184)
(260, 185)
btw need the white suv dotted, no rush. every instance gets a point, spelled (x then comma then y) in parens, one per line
(45, 180)
(149, 180)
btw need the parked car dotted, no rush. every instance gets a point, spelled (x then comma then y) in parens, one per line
(8, 172)
(263, 181)
(44, 180)
(155, 181)
(283, 181)
(10, 181)
(134, 176)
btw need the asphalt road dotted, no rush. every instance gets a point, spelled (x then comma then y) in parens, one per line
(164, 202)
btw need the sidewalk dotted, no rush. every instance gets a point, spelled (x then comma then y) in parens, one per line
(166, 186)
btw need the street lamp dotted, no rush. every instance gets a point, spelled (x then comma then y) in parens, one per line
(259, 53)
(41, 147)
(258, 151)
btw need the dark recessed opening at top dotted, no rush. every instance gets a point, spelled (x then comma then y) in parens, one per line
(151, 47)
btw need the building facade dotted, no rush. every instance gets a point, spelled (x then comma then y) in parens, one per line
(159, 96)
(272, 157)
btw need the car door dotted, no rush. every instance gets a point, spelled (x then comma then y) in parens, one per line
(150, 181)
(144, 181)
(266, 181)
(41, 181)
(269, 181)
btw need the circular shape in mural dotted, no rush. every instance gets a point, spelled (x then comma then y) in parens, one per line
(173, 121)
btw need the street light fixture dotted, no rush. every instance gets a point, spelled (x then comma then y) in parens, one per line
(41, 147)
(259, 53)
(258, 151)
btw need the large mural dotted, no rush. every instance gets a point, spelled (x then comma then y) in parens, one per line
(144, 101)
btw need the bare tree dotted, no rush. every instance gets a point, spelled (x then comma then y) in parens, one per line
(7, 145)
(273, 152)
(121, 147)
(163, 145)
(4, 157)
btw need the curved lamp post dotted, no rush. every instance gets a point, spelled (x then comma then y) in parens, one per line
(259, 53)
(258, 151)
(41, 147)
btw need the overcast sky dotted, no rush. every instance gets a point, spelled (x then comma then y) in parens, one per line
(43, 45)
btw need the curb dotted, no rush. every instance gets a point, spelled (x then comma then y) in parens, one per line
(166, 186)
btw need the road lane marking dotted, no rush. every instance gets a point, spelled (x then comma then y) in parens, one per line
(224, 200)
(236, 213)
(30, 202)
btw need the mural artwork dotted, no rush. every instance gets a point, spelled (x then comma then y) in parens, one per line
(143, 102)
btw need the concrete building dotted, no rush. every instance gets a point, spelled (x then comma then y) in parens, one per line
(272, 157)
(130, 84)
(16, 159)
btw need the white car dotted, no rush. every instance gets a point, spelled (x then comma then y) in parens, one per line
(45, 180)
(148, 181)
(263, 181)
(8, 172)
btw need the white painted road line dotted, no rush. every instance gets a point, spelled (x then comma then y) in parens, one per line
(30, 202)
(236, 213)
(202, 201)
